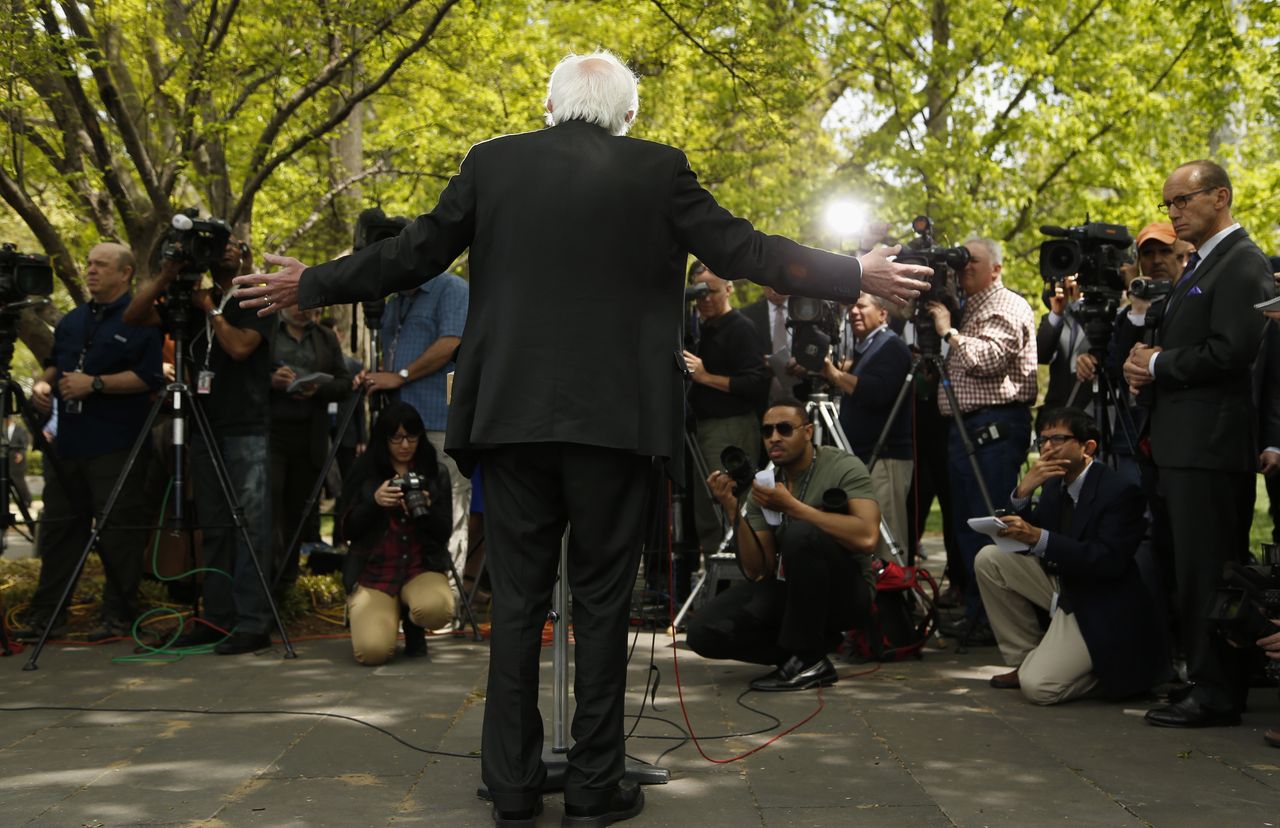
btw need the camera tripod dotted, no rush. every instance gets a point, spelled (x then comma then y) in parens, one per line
(179, 395)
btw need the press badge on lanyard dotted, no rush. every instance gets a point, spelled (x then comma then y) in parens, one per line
(204, 382)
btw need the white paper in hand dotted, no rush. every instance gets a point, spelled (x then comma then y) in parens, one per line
(991, 526)
(765, 478)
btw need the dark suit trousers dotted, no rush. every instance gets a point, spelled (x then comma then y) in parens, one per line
(1209, 514)
(531, 492)
(766, 622)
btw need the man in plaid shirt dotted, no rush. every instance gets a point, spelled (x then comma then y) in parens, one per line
(991, 358)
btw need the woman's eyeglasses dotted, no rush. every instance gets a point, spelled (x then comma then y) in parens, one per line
(405, 438)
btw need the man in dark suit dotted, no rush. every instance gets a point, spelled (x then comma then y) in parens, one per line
(1203, 429)
(1060, 343)
(570, 385)
(770, 314)
(1079, 567)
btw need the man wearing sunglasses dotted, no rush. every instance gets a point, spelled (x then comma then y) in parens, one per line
(1078, 566)
(810, 574)
(1203, 429)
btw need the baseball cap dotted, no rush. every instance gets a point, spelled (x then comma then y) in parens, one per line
(1161, 230)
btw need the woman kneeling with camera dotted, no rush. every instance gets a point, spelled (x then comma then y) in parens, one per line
(397, 512)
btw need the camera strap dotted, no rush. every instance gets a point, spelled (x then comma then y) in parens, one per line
(208, 328)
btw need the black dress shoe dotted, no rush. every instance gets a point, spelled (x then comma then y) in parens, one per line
(794, 674)
(415, 641)
(1190, 713)
(30, 632)
(626, 802)
(523, 818)
(979, 636)
(198, 636)
(243, 642)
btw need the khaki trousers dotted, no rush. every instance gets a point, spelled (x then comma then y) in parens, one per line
(891, 480)
(375, 615)
(1052, 668)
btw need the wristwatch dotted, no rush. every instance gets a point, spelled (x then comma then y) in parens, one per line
(215, 312)
(946, 337)
(403, 373)
(98, 385)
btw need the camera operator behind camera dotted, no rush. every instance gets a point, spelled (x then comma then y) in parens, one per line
(229, 369)
(812, 574)
(397, 512)
(99, 375)
(992, 363)
(730, 383)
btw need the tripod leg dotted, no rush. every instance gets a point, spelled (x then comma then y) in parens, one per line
(99, 523)
(969, 450)
(466, 603)
(237, 516)
(347, 414)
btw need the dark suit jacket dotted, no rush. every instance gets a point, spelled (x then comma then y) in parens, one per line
(1266, 388)
(864, 412)
(579, 241)
(1099, 579)
(1202, 413)
(1062, 379)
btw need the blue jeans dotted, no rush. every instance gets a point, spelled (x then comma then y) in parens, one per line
(240, 601)
(1000, 461)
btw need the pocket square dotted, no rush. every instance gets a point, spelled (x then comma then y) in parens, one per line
(1195, 291)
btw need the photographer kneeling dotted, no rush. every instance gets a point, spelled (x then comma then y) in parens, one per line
(811, 576)
(399, 537)
(1102, 629)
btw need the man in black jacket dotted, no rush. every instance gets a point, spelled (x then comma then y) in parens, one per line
(1079, 567)
(730, 384)
(570, 384)
(1203, 428)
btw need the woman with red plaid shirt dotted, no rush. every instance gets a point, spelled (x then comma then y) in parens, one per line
(396, 563)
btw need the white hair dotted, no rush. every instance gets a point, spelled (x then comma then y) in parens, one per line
(993, 248)
(597, 88)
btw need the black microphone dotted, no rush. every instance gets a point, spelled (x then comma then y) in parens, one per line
(1053, 230)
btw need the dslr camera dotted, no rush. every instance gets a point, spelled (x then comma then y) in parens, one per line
(1246, 601)
(1092, 252)
(23, 275)
(198, 244)
(414, 488)
(947, 264)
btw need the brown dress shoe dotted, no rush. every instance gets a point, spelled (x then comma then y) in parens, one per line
(1006, 681)
(1272, 737)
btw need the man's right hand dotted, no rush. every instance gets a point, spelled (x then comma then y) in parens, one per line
(1041, 471)
(42, 397)
(899, 283)
(1086, 367)
(282, 377)
(721, 486)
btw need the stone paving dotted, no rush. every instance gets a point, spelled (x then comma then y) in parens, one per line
(919, 743)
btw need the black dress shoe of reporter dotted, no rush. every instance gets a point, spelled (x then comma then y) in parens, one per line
(626, 802)
(794, 674)
(243, 642)
(1190, 713)
(523, 818)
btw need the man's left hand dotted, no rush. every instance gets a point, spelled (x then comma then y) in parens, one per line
(1268, 463)
(1019, 530)
(382, 381)
(268, 292)
(1270, 644)
(775, 498)
(202, 300)
(75, 386)
(693, 362)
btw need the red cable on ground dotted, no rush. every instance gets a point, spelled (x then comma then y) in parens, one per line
(671, 590)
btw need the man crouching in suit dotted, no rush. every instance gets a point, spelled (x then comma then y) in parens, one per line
(1079, 567)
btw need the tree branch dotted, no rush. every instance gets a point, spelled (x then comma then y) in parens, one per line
(325, 201)
(64, 264)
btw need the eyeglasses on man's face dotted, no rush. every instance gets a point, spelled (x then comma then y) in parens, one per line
(400, 439)
(784, 430)
(1055, 440)
(1181, 201)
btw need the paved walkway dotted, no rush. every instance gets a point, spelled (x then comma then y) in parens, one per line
(922, 743)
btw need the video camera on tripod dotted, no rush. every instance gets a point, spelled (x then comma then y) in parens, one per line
(1094, 253)
(947, 264)
(23, 275)
(373, 226)
(198, 244)
(814, 324)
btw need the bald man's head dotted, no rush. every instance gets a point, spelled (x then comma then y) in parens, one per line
(109, 271)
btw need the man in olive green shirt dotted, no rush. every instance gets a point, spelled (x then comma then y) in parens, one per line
(810, 576)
